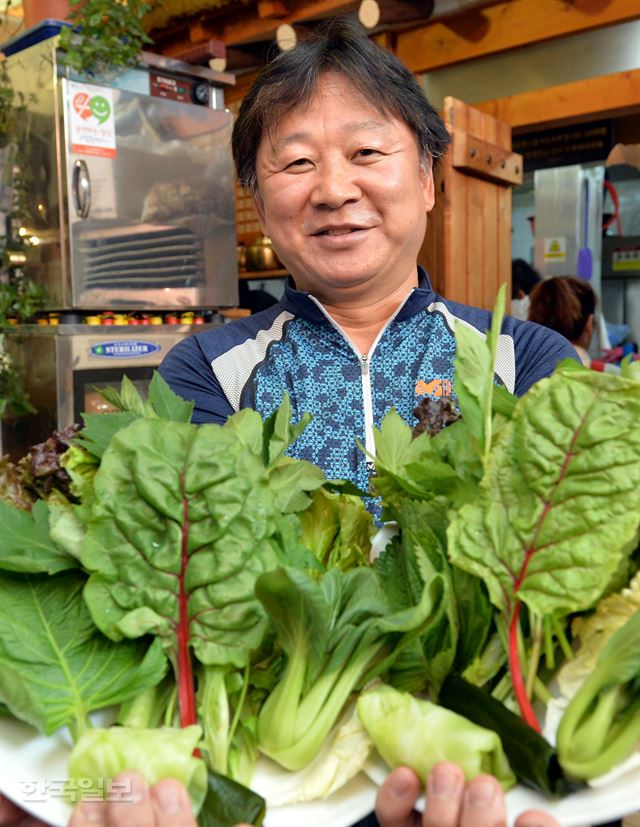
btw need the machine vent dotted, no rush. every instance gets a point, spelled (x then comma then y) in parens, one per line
(145, 257)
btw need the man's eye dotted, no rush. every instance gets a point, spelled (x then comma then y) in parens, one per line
(299, 162)
(367, 153)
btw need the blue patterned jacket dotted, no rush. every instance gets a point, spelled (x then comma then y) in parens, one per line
(296, 347)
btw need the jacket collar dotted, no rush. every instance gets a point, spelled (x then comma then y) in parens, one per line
(300, 302)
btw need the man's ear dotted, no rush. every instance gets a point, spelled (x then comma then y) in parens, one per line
(427, 184)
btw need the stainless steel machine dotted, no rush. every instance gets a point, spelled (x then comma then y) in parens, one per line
(123, 200)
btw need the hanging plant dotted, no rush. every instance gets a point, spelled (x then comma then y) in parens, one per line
(106, 35)
(14, 400)
(7, 109)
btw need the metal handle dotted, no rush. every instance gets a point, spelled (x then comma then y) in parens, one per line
(81, 189)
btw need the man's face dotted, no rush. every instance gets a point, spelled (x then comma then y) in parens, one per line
(343, 195)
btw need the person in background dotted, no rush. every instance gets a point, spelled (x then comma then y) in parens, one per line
(523, 279)
(567, 305)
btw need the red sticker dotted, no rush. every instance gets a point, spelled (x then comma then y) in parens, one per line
(81, 105)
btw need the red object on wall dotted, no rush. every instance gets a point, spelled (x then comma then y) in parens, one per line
(37, 10)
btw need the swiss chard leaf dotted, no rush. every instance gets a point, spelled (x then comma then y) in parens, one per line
(25, 544)
(184, 521)
(560, 497)
(55, 666)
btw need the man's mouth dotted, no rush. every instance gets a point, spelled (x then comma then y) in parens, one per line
(338, 230)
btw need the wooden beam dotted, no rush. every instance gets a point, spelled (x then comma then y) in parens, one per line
(509, 24)
(272, 8)
(244, 28)
(607, 96)
(375, 13)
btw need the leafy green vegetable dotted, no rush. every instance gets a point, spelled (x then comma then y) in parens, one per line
(405, 568)
(418, 734)
(182, 525)
(25, 543)
(101, 754)
(601, 725)
(338, 529)
(55, 667)
(337, 634)
(558, 502)
(162, 403)
(228, 803)
(474, 376)
(533, 760)
(12, 491)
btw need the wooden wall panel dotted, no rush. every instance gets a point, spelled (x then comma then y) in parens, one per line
(467, 248)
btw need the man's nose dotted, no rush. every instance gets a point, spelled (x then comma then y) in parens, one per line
(336, 183)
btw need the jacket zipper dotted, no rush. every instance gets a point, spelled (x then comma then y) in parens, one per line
(369, 442)
(365, 376)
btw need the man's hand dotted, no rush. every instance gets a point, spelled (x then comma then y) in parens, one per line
(450, 801)
(12, 816)
(166, 804)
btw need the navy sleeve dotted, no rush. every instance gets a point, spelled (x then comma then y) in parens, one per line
(538, 350)
(188, 373)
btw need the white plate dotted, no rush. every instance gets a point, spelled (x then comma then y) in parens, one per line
(618, 798)
(33, 772)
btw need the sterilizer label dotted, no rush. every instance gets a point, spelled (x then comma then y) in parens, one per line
(91, 120)
(126, 349)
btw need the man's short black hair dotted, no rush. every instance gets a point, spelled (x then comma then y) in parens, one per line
(341, 46)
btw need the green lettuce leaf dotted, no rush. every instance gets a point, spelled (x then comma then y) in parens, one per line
(55, 666)
(101, 754)
(338, 529)
(418, 734)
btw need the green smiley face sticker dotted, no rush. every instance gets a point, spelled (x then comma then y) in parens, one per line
(100, 108)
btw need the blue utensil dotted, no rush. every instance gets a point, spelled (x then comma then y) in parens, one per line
(584, 267)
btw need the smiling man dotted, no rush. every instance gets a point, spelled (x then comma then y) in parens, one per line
(338, 142)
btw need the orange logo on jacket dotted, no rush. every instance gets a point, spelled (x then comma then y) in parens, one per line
(437, 387)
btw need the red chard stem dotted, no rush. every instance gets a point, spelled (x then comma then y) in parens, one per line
(515, 668)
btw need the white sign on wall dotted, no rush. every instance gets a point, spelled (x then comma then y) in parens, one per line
(91, 120)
